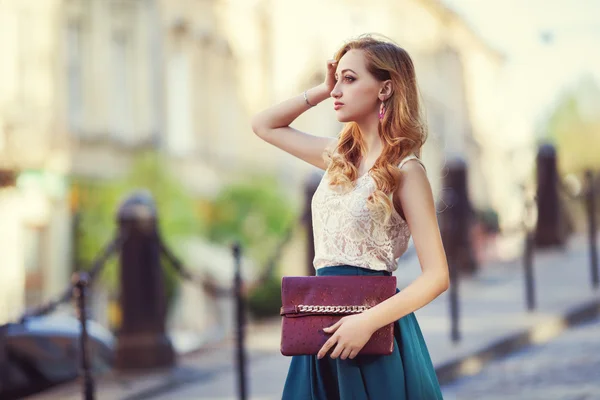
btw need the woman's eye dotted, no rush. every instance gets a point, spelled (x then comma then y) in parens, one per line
(348, 78)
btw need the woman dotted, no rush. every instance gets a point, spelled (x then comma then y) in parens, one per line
(374, 195)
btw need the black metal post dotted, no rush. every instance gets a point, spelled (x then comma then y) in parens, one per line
(81, 281)
(591, 209)
(448, 231)
(454, 226)
(76, 225)
(142, 341)
(456, 179)
(550, 229)
(241, 322)
(3, 357)
(454, 303)
(528, 266)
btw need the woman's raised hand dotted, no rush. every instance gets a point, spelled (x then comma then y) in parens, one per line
(330, 77)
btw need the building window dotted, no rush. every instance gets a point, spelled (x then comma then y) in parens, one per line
(10, 44)
(2, 136)
(75, 99)
(180, 130)
(121, 99)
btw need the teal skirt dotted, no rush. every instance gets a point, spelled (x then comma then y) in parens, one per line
(406, 374)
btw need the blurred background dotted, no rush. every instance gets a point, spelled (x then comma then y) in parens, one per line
(101, 97)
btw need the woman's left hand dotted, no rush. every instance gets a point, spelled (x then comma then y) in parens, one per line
(349, 336)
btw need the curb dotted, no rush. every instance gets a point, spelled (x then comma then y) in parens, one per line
(538, 334)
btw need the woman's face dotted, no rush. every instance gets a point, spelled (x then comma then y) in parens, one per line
(356, 91)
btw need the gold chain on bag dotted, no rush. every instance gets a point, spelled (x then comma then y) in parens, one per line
(330, 309)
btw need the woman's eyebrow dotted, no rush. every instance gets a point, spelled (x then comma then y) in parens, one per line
(347, 69)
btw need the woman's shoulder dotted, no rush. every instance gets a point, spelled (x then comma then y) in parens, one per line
(404, 163)
(414, 182)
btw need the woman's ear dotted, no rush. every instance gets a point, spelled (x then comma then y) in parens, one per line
(386, 90)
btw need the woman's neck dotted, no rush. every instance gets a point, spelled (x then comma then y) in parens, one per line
(370, 135)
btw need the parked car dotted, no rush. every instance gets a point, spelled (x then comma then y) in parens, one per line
(43, 352)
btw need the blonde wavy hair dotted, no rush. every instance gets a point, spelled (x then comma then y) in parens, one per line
(402, 128)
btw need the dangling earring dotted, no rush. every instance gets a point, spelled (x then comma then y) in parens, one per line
(381, 110)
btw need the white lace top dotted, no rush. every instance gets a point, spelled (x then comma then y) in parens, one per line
(346, 232)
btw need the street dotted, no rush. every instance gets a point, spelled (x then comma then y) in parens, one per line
(492, 306)
(266, 375)
(567, 368)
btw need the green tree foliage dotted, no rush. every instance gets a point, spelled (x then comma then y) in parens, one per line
(254, 212)
(99, 201)
(257, 214)
(573, 126)
(265, 301)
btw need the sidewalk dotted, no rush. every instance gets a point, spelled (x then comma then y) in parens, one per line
(493, 322)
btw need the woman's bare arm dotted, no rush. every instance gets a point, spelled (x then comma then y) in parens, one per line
(273, 124)
(417, 203)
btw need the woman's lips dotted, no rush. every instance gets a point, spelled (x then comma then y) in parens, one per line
(337, 106)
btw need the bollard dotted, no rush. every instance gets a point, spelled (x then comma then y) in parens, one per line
(81, 282)
(240, 317)
(550, 230)
(454, 227)
(528, 266)
(141, 340)
(459, 213)
(310, 186)
(591, 212)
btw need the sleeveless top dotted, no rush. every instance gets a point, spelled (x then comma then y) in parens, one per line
(346, 233)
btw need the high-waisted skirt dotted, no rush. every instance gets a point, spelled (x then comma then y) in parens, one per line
(406, 374)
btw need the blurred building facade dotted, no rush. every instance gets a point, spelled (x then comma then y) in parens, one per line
(151, 74)
(85, 86)
(34, 220)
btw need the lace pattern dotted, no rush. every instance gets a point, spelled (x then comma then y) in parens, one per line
(346, 232)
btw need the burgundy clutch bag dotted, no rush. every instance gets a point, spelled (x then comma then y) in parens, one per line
(311, 303)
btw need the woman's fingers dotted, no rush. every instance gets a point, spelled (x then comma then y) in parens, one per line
(328, 345)
(339, 348)
(334, 327)
(330, 78)
(346, 353)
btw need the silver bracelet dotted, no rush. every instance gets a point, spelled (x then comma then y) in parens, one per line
(306, 100)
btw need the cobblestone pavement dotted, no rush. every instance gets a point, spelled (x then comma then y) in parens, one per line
(265, 379)
(566, 368)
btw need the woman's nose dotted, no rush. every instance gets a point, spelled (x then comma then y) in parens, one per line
(336, 92)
